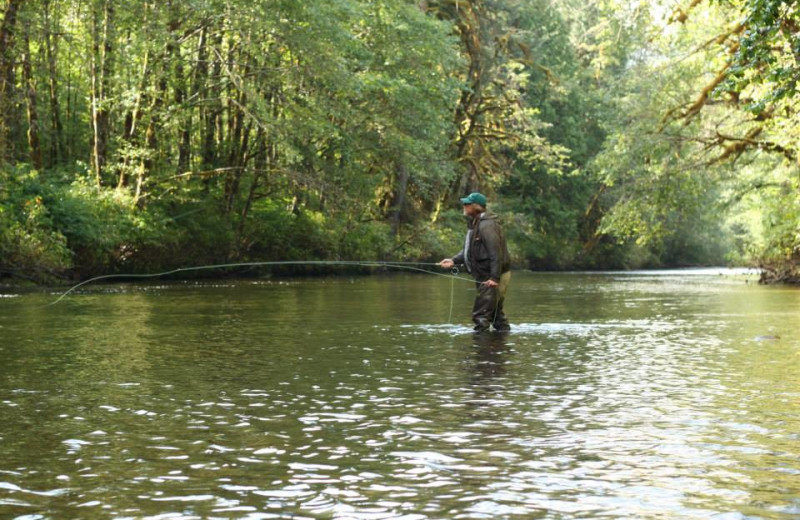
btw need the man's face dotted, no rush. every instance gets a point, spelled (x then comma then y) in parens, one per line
(470, 210)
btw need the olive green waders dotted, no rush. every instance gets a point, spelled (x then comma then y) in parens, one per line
(488, 308)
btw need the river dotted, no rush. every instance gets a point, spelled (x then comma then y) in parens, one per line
(645, 395)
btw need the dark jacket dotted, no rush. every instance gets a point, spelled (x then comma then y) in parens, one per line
(488, 253)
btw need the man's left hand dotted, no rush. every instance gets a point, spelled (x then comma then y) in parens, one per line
(490, 283)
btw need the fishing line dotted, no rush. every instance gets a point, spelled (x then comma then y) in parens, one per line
(397, 265)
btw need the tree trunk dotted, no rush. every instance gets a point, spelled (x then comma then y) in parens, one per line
(232, 180)
(70, 110)
(151, 139)
(399, 199)
(101, 73)
(213, 113)
(7, 79)
(259, 167)
(201, 79)
(183, 115)
(467, 18)
(34, 147)
(134, 116)
(237, 142)
(467, 144)
(185, 140)
(51, 51)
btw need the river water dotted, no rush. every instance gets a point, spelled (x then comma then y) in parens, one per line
(618, 395)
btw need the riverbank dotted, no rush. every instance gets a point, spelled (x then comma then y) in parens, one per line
(788, 274)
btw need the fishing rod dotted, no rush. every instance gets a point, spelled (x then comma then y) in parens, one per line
(411, 266)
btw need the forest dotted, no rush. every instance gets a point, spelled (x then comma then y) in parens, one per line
(608, 134)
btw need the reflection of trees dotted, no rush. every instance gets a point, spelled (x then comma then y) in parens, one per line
(76, 383)
(95, 338)
(113, 344)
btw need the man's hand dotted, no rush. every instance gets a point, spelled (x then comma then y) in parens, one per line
(490, 283)
(447, 263)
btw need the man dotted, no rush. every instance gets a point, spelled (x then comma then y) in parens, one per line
(485, 256)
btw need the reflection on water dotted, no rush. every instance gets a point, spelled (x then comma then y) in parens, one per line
(642, 396)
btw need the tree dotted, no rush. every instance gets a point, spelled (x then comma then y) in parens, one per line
(217, 130)
(8, 29)
(102, 62)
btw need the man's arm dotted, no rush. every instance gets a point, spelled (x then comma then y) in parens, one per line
(447, 263)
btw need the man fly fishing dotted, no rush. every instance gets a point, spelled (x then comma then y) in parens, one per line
(485, 256)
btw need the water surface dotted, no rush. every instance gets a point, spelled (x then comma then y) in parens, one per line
(619, 395)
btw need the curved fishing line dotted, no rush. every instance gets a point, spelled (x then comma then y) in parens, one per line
(398, 265)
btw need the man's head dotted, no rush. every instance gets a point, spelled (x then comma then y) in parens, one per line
(474, 204)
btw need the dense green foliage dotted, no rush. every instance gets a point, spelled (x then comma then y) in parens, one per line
(151, 135)
(706, 155)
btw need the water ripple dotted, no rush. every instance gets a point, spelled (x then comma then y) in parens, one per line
(652, 401)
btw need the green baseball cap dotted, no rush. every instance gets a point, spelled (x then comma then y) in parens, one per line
(474, 198)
